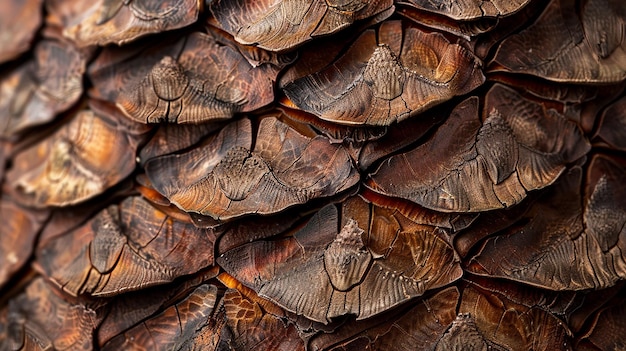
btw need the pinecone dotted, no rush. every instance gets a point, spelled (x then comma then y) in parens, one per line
(312, 175)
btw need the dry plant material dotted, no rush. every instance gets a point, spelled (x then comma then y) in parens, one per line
(170, 138)
(281, 175)
(121, 21)
(19, 229)
(569, 240)
(571, 42)
(195, 79)
(385, 76)
(123, 248)
(612, 128)
(606, 327)
(173, 329)
(40, 318)
(74, 164)
(418, 327)
(19, 20)
(367, 266)
(227, 177)
(473, 165)
(280, 25)
(488, 321)
(255, 322)
(39, 89)
(465, 10)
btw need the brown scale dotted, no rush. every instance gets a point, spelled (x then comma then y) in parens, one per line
(565, 45)
(231, 177)
(605, 327)
(369, 265)
(171, 138)
(469, 166)
(121, 21)
(173, 329)
(41, 318)
(197, 78)
(19, 20)
(464, 10)
(490, 103)
(354, 136)
(123, 248)
(128, 310)
(465, 29)
(18, 232)
(584, 232)
(385, 77)
(37, 90)
(414, 327)
(455, 319)
(74, 164)
(280, 25)
(255, 322)
(496, 321)
(612, 127)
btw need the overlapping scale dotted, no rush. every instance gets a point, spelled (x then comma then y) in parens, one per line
(312, 175)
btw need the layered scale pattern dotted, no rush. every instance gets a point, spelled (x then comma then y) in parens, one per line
(313, 175)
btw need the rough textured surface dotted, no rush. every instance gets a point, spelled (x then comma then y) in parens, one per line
(386, 76)
(468, 9)
(312, 175)
(352, 277)
(125, 247)
(234, 180)
(120, 21)
(279, 25)
(484, 166)
(589, 236)
(195, 79)
(73, 164)
(567, 46)
(36, 91)
(18, 23)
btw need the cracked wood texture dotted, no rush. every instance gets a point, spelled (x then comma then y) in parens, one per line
(312, 175)
(385, 76)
